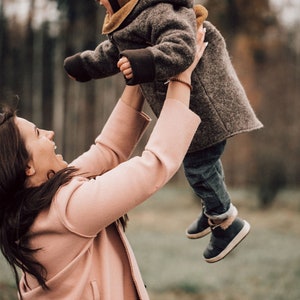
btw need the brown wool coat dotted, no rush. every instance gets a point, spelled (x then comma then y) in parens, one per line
(158, 39)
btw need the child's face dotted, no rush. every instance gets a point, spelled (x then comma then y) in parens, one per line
(107, 5)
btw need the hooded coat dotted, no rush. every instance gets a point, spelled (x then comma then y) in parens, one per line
(158, 38)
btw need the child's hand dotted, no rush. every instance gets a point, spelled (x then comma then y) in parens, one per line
(125, 67)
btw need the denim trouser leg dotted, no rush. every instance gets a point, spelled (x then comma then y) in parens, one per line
(204, 172)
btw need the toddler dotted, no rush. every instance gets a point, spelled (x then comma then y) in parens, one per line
(151, 41)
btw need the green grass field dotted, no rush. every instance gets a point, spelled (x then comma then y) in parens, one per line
(265, 266)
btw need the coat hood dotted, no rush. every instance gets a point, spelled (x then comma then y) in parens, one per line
(117, 4)
(123, 8)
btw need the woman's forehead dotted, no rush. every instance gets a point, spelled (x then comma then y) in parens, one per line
(22, 121)
(24, 124)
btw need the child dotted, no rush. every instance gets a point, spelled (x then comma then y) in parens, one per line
(156, 40)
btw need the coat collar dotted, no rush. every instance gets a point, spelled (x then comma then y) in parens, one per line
(111, 23)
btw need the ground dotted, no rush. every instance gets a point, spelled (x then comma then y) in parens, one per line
(266, 265)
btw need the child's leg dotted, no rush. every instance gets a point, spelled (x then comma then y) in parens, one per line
(205, 174)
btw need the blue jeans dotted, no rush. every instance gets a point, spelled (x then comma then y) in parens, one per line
(204, 172)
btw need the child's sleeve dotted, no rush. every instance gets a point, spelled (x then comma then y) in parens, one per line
(170, 32)
(93, 64)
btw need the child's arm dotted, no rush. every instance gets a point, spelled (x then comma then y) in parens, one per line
(99, 63)
(170, 32)
(171, 35)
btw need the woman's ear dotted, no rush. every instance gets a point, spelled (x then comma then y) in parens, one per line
(30, 171)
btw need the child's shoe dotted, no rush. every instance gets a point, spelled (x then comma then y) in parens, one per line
(199, 228)
(225, 237)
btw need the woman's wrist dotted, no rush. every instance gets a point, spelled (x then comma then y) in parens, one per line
(185, 76)
(133, 97)
(179, 88)
(182, 81)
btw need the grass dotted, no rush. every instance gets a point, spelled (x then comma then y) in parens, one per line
(266, 265)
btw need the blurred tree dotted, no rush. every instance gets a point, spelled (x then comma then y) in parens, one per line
(80, 29)
(77, 33)
(2, 36)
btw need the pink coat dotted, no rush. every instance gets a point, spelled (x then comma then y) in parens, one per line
(83, 248)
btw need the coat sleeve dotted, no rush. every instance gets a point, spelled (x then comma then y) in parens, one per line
(93, 64)
(115, 143)
(88, 206)
(101, 62)
(171, 34)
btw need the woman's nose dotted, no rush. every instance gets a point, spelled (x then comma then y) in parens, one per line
(50, 134)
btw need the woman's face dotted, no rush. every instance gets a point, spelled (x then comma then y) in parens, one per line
(41, 148)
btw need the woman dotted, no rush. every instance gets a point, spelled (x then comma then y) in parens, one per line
(63, 225)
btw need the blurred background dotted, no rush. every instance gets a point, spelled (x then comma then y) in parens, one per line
(262, 168)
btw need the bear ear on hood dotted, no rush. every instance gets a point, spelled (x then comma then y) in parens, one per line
(201, 14)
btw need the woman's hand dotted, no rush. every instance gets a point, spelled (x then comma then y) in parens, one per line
(200, 47)
(132, 94)
(180, 86)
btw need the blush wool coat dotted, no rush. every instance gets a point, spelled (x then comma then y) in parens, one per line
(158, 38)
(82, 246)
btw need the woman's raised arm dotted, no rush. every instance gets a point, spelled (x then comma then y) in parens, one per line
(133, 97)
(180, 85)
(97, 203)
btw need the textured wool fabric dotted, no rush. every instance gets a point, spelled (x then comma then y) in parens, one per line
(218, 96)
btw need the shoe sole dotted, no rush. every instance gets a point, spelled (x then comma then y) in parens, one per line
(239, 237)
(198, 235)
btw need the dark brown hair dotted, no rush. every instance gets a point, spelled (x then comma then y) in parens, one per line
(19, 206)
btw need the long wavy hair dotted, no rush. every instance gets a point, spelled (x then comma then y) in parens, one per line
(19, 206)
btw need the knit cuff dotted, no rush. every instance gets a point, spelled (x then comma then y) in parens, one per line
(75, 68)
(142, 65)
